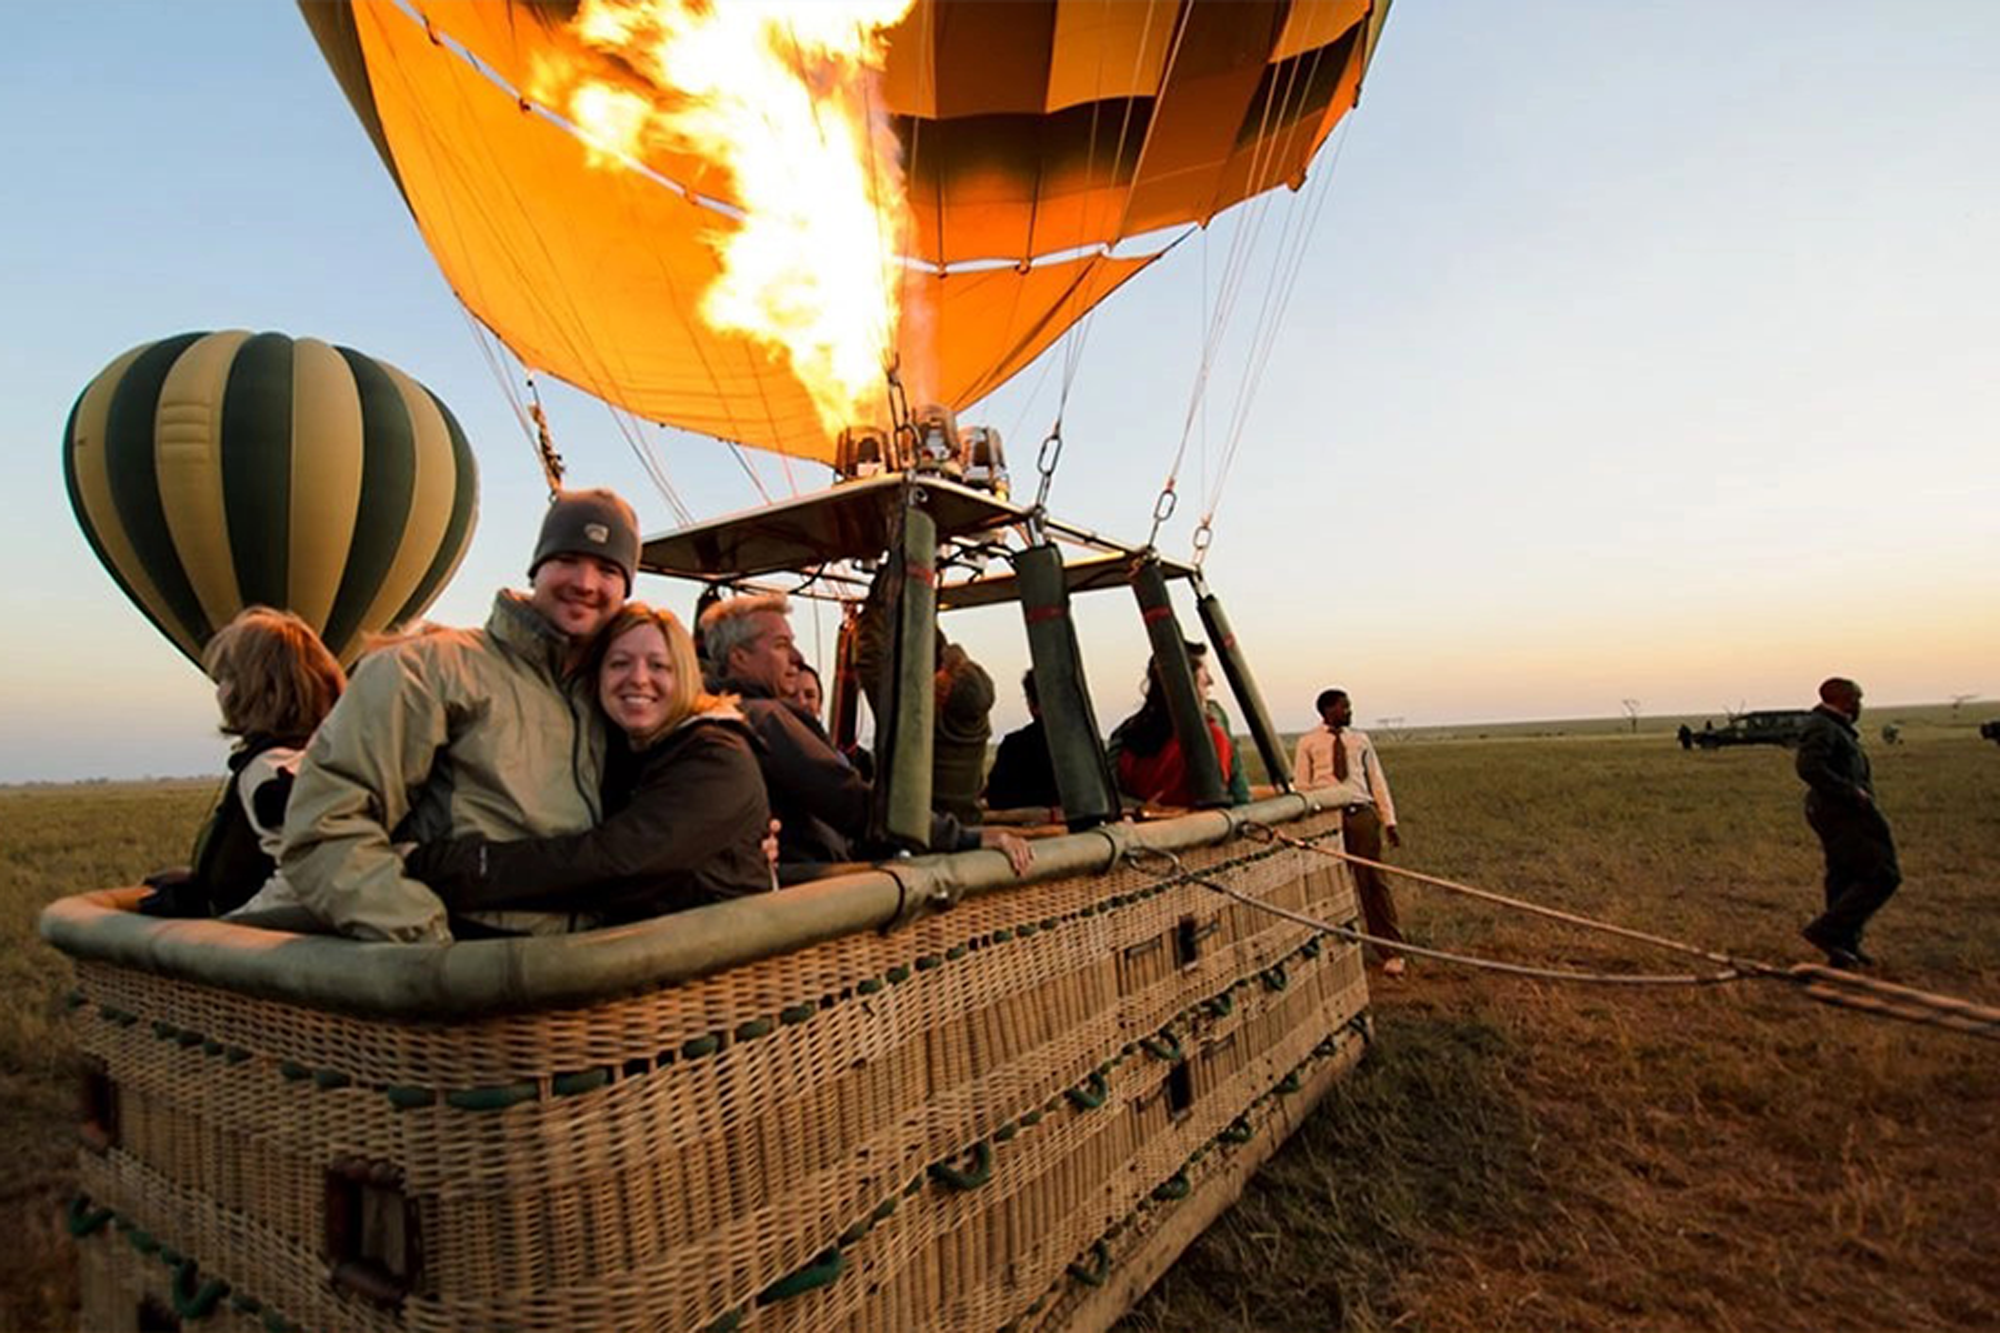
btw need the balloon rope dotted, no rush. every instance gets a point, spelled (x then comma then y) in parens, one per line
(1236, 266)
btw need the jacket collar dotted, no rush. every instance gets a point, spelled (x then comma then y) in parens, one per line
(517, 626)
(1846, 723)
(746, 689)
(724, 715)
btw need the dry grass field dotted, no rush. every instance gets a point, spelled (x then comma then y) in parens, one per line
(1520, 1155)
(1512, 1154)
(57, 840)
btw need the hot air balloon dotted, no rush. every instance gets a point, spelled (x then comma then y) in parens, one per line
(214, 471)
(842, 1106)
(1022, 160)
(1042, 142)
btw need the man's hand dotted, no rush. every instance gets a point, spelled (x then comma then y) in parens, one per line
(1019, 853)
(1395, 838)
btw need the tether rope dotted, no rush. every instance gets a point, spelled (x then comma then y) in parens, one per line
(1182, 874)
(1825, 985)
(1265, 833)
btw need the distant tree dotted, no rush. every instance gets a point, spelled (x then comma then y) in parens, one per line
(1631, 712)
(1959, 701)
(1391, 726)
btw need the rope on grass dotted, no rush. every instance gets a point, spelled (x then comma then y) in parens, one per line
(1885, 999)
(1183, 875)
(1824, 985)
(1261, 832)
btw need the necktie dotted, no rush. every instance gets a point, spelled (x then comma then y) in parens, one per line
(1339, 756)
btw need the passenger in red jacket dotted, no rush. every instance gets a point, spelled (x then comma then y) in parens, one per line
(1146, 755)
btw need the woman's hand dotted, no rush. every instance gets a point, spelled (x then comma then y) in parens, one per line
(449, 866)
(1019, 853)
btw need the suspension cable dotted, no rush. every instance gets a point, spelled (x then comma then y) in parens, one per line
(485, 342)
(1288, 262)
(743, 462)
(1076, 337)
(1243, 246)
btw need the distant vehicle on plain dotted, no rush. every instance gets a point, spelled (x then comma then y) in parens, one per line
(1990, 731)
(1777, 726)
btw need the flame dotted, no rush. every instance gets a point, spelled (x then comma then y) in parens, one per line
(781, 98)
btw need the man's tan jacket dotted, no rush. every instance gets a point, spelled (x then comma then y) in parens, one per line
(443, 733)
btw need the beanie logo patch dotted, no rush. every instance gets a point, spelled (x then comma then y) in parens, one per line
(597, 532)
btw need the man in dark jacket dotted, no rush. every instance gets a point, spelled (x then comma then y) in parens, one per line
(1861, 870)
(962, 723)
(819, 799)
(1024, 773)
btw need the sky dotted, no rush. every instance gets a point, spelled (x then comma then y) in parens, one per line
(1637, 353)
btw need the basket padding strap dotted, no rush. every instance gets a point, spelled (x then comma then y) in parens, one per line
(84, 1219)
(1099, 1267)
(192, 1302)
(980, 1172)
(830, 1265)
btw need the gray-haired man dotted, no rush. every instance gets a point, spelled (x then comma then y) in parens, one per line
(816, 795)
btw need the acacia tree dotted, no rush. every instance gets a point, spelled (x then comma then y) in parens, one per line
(1631, 712)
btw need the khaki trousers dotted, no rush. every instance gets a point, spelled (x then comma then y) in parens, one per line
(1361, 830)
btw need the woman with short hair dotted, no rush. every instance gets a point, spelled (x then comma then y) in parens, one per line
(274, 683)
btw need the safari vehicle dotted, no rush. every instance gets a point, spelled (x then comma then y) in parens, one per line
(1777, 726)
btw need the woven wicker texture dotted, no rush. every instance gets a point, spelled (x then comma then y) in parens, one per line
(963, 1124)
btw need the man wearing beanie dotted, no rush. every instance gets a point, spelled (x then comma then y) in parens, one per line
(450, 732)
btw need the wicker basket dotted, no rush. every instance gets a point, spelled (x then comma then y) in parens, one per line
(1011, 1114)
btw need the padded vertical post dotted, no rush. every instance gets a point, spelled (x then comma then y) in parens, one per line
(900, 814)
(1184, 704)
(1243, 685)
(1076, 748)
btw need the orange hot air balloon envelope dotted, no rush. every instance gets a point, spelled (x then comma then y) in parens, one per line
(1036, 134)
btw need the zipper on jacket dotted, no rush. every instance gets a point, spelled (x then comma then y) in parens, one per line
(579, 722)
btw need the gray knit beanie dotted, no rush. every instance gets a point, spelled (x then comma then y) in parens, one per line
(595, 522)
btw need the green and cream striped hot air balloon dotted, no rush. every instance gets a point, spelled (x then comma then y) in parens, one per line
(214, 471)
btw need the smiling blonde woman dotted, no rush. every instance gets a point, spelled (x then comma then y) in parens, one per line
(685, 809)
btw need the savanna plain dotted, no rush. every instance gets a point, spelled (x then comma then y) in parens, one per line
(1511, 1154)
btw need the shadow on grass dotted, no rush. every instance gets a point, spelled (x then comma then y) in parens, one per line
(1424, 1141)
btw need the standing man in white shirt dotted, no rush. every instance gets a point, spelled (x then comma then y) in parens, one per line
(1336, 753)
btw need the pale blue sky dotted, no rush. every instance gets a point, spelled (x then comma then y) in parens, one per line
(1644, 350)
